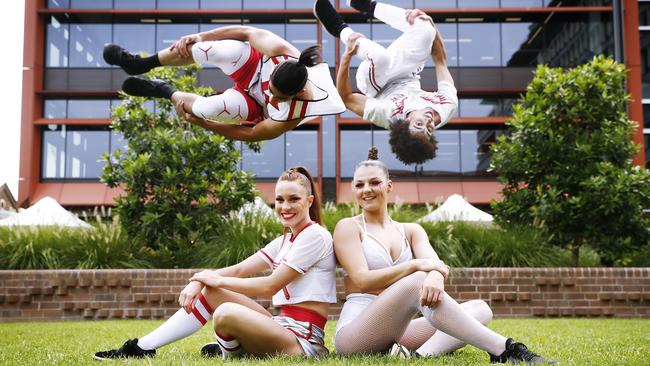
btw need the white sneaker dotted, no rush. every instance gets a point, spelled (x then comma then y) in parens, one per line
(399, 351)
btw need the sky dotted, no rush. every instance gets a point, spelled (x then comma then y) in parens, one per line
(11, 64)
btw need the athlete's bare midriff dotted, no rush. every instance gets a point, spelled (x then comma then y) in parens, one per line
(317, 306)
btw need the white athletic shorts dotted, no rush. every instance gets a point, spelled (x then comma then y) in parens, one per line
(355, 304)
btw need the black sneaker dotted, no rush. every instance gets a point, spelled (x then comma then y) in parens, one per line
(518, 353)
(141, 87)
(211, 350)
(366, 7)
(130, 349)
(130, 63)
(329, 18)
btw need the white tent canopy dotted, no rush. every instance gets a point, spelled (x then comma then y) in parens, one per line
(456, 208)
(46, 212)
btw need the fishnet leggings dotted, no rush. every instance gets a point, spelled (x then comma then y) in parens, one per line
(387, 319)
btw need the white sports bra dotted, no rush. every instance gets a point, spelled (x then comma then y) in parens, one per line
(377, 254)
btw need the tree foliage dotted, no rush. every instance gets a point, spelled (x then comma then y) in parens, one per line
(566, 163)
(180, 180)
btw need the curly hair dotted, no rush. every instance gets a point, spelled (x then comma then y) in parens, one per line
(410, 149)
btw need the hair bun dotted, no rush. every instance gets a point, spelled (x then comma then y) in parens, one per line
(310, 56)
(373, 153)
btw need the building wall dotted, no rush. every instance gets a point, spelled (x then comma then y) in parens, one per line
(152, 294)
(493, 47)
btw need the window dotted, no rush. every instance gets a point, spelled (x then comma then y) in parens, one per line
(354, 148)
(55, 109)
(87, 43)
(91, 4)
(136, 37)
(135, 4)
(328, 127)
(83, 153)
(269, 162)
(53, 152)
(475, 150)
(519, 46)
(167, 34)
(479, 44)
(263, 4)
(302, 149)
(56, 51)
(175, 4)
(301, 35)
(486, 107)
(447, 160)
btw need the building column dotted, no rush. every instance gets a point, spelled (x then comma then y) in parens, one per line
(633, 65)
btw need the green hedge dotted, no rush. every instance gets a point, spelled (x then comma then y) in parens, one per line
(107, 246)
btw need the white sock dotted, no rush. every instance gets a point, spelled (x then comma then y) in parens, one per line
(392, 15)
(345, 34)
(179, 326)
(450, 318)
(366, 46)
(442, 343)
(230, 347)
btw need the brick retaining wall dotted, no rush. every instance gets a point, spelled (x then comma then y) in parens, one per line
(152, 294)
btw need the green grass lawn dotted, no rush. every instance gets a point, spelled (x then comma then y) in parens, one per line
(571, 341)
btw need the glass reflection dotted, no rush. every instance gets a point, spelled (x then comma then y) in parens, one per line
(55, 108)
(220, 4)
(302, 149)
(645, 63)
(479, 44)
(475, 150)
(53, 152)
(56, 51)
(134, 4)
(269, 162)
(91, 4)
(487, 107)
(87, 43)
(83, 153)
(302, 35)
(89, 108)
(136, 38)
(447, 160)
(167, 34)
(175, 4)
(354, 148)
(263, 4)
(328, 127)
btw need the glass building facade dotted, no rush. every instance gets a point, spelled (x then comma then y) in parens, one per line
(491, 55)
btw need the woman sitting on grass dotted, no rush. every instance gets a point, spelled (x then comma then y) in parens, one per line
(392, 273)
(302, 282)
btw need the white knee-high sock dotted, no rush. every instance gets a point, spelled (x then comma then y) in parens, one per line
(450, 318)
(180, 325)
(392, 15)
(442, 343)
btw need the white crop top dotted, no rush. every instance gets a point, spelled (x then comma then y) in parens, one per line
(311, 253)
(377, 254)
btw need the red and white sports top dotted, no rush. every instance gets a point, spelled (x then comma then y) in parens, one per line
(402, 96)
(326, 99)
(311, 253)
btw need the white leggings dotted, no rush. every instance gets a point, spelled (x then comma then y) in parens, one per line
(233, 105)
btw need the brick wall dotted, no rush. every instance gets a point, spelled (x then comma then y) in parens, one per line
(152, 294)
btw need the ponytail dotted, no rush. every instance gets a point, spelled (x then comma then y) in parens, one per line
(290, 77)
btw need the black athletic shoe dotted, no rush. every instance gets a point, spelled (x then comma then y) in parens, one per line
(518, 353)
(130, 349)
(366, 7)
(211, 350)
(130, 63)
(329, 18)
(141, 87)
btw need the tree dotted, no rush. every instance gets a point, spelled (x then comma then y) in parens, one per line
(180, 180)
(566, 162)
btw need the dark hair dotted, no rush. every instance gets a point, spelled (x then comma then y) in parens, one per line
(410, 149)
(373, 160)
(291, 76)
(302, 175)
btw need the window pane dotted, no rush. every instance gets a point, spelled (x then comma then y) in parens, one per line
(479, 44)
(135, 4)
(91, 4)
(220, 4)
(87, 43)
(302, 149)
(58, 3)
(449, 34)
(53, 152)
(118, 142)
(89, 108)
(383, 34)
(136, 37)
(646, 138)
(328, 45)
(301, 35)
(263, 4)
(329, 146)
(645, 63)
(567, 44)
(447, 160)
(381, 142)
(478, 3)
(354, 148)
(421, 4)
(475, 150)
(646, 116)
(166, 34)
(175, 4)
(55, 108)
(299, 4)
(56, 50)
(522, 3)
(644, 13)
(269, 162)
(518, 44)
(83, 153)
(276, 28)
(488, 107)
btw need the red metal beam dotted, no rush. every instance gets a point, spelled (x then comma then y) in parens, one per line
(633, 64)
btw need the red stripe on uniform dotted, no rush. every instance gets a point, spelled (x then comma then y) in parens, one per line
(267, 256)
(371, 78)
(243, 76)
(293, 237)
(303, 111)
(275, 60)
(291, 109)
(286, 293)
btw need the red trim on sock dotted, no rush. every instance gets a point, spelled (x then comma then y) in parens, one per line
(303, 315)
(197, 314)
(205, 303)
(224, 337)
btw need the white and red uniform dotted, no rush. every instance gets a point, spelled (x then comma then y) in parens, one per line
(249, 99)
(390, 77)
(311, 253)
